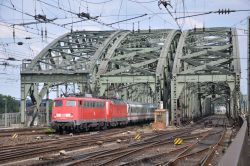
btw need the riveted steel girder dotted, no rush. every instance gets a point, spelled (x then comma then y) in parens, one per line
(140, 68)
(71, 58)
(206, 67)
(150, 66)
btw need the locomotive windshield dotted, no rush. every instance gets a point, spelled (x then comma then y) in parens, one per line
(70, 103)
(58, 103)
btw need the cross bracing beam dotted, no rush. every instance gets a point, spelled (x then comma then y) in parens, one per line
(140, 66)
(71, 58)
(54, 78)
(106, 79)
(142, 63)
(208, 60)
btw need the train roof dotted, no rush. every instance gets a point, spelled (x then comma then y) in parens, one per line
(78, 98)
(102, 99)
(89, 99)
(136, 103)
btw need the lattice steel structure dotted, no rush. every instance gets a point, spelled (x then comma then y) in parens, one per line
(141, 67)
(152, 66)
(71, 58)
(133, 65)
(206, 69)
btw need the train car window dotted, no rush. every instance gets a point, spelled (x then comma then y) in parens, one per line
(58, 103)
(83, 104)
(70, 103)
(80, 103)
(87, 104)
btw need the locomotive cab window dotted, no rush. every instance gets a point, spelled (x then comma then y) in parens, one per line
(58, 103)
(70, 103)
(80, 103)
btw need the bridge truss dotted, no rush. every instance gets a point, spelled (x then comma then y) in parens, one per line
(206, 69)
(146, 66)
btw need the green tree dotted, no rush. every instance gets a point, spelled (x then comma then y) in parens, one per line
(12, 104)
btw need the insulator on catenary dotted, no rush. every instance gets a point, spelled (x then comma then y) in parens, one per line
(14, 34)
(46, 34)
(42, 33)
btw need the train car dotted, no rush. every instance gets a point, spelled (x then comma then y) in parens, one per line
(82, 113)
(220, 110)
(140, 112)
(116, 113)
(66, 113)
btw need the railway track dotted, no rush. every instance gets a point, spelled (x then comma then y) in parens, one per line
(25, 131)
(156, 148)
(112, 156)
(34, 149)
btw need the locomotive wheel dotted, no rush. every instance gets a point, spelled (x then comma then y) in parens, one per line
(60, 130)
(86, 128)
(98, 127)
(104, 127)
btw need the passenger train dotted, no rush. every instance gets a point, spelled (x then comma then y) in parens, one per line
(84, 113)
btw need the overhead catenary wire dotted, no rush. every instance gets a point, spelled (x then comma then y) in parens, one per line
(127, 19)
(166, 7)
(153, 13)
(150, 1)
(97, 3)
(220, 11)
(11, 25)
(119, 13)
(30, 15)
(94, 20)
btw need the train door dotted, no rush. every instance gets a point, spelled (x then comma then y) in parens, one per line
(80, 109)
(107, 110)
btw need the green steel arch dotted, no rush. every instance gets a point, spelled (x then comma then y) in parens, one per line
(140, 69)
(71, 58)
(206, 69)
(161, 66)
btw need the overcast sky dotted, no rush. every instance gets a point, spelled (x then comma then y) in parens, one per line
(108, 11)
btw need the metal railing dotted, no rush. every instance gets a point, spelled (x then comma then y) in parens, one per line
(12, 118)
(237, 153)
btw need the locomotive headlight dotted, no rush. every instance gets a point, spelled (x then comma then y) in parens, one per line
(69, 115)
(57, 115)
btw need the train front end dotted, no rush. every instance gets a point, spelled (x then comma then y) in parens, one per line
(65, 114)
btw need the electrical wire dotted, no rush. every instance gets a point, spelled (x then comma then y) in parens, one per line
(212, 12)
(119, 14)
(94, 20)
(30, 15)
(127, 19)
(153, 13)
(97, 3)
(143, 1)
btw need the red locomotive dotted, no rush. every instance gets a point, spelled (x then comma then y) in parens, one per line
(82, 113)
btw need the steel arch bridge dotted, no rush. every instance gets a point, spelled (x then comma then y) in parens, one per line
(145, 66)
